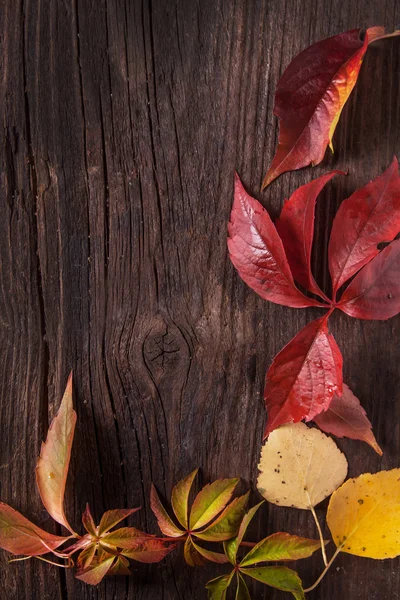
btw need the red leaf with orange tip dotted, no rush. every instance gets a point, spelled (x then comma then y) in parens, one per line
(257, 252)
(374, 292)
(311, 95)
(55, 455)
(296, 229)
(303, 377)
(19, 536)
(370, 216)
(346, 417)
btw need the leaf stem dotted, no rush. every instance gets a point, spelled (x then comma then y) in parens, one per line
(321, 537)
(324, 572)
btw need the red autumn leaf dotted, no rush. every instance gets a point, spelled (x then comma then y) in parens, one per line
(310, 97)
(346, 417)
(303, 377)
(19, 536)
(55, 455)
(88, 521)
(164, 521)
(111, 518)
(374, 292)
(296, 229)
(257, 252)
(370, 216)
(149, 550)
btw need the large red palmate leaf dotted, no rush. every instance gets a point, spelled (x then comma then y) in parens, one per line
(296, 229)
(303, 377)
(257, 252)
(346, 417)
(310, 97)
(370, 216)
(374, 292)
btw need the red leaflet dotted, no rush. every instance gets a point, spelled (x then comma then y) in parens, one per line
(310, 97)
(370, 216)
(296, 229)
(346, 417)
(374, 293)
(303, 377)
(257, 252)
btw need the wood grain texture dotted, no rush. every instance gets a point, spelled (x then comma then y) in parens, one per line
(122, 124)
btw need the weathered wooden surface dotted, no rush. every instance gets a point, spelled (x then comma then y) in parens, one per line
(122, 123)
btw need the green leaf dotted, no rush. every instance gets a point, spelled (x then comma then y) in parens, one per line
(231, 546)
(210, 501)
(217, 587)
(192, 557)
(242, 591)
(281, 546)
(227, 524)
(216, 557)
(280, 578)
(180, 498)
(164, 521)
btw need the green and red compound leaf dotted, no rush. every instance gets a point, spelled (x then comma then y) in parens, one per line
(210, 501)
(227, 524)
(281, 546)
(55, 455)
(111, 518)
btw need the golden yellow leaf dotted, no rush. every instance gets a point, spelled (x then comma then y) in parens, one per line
(300, 466)
(364, 515)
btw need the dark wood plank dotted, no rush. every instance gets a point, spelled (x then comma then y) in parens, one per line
(123, 121)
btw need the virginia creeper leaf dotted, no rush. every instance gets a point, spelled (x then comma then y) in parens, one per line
(126, 537)
(217, 587)
(86, 557)
(346, 417)
(257, 252)
(55, 455)
(96, 571)
(280, 578)
(88, 521)
(210, 501)
(216, 557)
(180, 498)
(164, 521)
(364, 515)
(232, 546)
(120, 567)
(300, 466)
(281, 546)
(111, 518)
(19, 536)
(374, 292)
(310, 97)
(227, 524)
(149, 551)
(303, 377)
(242, 591)
(296, 229)
(370, 216)
(192, 557)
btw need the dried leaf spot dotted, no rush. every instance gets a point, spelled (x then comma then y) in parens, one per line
(51, 476)
(361, 501)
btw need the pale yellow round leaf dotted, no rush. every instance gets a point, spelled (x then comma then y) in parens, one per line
(300, 466)
(364, 515)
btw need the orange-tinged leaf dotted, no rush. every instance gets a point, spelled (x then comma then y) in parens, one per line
(281, 546)
(96, 572)
(310, 97)
(210, 501)
(120, 567)
(227, 524)
(149, 551)
(126, 537)
(164, 521)
(364, 515)
(192, 557)
(111, 518)
(53, 463)
(346, 417)
(86, 557)
(180, 498)
(216, 557)
(19, 536)
(88, 521)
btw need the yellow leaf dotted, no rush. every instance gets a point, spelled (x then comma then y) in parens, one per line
(364, 515)
(300, 466)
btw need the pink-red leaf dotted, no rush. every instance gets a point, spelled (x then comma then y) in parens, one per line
(149, 551)
(370, 216)
(180, 498)
(374, 292)
(53, 463)
(303, 377)
(120, 567)
(111, 518)
(296, 229)
(88, 521)
(126, 537)
(257, 252)
(19, 536)
(96, 571)
(310, 97)
(346, 417)
(164, 521)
